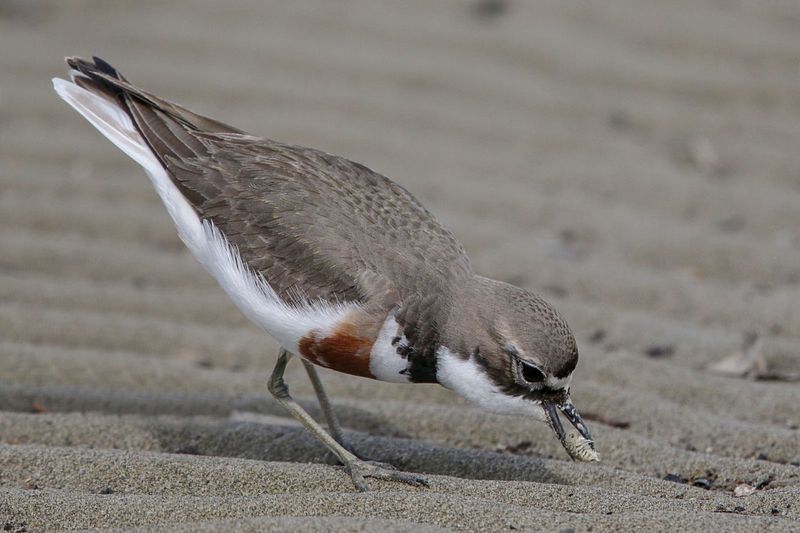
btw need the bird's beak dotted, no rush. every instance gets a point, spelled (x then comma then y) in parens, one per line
(579, 448)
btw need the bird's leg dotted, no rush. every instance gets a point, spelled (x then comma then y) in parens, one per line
(357, 468)
(280, 392)
(334, 427)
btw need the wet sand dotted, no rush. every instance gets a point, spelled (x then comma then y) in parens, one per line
(635, 162)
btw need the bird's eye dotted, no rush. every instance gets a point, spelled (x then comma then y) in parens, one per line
(532, 374)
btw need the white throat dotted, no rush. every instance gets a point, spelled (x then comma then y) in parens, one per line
(467, 378)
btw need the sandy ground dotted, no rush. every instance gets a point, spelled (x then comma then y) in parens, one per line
(636, 162)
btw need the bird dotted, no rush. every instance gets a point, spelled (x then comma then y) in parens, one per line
(342, 266)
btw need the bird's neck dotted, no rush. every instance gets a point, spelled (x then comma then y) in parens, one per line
(475, 306)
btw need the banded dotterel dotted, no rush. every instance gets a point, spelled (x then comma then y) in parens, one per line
(342, 266)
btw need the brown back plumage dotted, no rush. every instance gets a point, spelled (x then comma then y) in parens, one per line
(316, 226)
(321, 227)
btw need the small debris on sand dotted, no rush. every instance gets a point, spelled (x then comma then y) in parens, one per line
(659, 351)
(743, 489)
(702, 482)
(613, 422)
(39, 407)
(747, 361)
(750, 362)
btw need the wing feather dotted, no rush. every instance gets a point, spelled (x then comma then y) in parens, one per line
(308, 223)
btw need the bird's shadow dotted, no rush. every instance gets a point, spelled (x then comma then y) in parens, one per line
(281, 440)
(203, 424)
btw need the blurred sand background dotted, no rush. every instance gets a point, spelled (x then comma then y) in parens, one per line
(636, 162)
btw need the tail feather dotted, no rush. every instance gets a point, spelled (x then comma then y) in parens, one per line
(170, 131)
(147, 128)
(112, 121)
(167, 132)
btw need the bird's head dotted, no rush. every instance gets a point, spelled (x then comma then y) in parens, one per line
(512, 353)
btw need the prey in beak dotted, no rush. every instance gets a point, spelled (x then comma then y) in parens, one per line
(580, 446)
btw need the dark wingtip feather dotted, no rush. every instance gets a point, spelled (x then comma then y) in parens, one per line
(95, 65)
(98, 75)
(105, 67)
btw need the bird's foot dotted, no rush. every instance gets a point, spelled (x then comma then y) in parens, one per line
(347, 445)
(360, 470)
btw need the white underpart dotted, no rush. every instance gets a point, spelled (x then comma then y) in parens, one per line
(384, 361)
(250, 292)
(467, 378)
